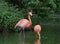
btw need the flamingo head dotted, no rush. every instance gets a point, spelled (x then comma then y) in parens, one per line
(30, 13)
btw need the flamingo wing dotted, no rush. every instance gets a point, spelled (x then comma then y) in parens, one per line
(23, 22)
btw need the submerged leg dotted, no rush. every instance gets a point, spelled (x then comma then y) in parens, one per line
(23, 36)
(19, 29)
(23, 33)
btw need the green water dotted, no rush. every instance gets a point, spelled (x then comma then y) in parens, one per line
(30, 37)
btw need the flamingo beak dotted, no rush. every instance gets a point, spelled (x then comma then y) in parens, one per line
(30, 13)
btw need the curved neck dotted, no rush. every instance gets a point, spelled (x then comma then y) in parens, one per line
(29, 18)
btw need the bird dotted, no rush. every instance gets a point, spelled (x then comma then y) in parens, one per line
(25, 23)
(37, 29)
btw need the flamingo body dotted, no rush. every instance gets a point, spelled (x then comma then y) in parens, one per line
(37, 29)
(24, 23)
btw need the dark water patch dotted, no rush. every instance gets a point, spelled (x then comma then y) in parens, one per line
(30, 37)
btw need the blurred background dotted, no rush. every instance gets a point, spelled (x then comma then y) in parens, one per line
(45, 12)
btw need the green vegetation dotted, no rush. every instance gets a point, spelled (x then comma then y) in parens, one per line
(57, 10)
(39, 7)
(11, 11)
(9, 16)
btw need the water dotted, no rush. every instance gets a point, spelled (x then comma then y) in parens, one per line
(47, 37)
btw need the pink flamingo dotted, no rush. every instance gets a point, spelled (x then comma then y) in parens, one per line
(37, 29)
(25, 23)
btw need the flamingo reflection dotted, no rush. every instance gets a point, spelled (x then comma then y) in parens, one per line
(37, 41)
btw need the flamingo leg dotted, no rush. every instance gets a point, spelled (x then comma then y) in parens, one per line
(23, 36)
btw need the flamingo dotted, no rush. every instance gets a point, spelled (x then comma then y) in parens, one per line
(25, 23)
(37, 29)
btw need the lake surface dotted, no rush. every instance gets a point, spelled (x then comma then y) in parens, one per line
(30, 37)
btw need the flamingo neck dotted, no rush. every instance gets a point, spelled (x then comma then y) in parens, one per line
(29, 18)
